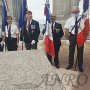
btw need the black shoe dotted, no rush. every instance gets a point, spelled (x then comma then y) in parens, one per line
(81, 69)
(57, 66)
(68, 67)
(51, 62)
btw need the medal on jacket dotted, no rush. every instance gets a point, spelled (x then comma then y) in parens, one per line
(56, 30)
(33, 28)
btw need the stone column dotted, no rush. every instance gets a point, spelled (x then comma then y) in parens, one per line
(63, 8)
(0, 10)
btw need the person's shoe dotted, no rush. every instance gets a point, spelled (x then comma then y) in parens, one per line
(81, 69)
(68, 67)
(57, 66)
(51, 62)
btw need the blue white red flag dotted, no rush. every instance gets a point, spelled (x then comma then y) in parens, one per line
(48, 37)
(82, 36)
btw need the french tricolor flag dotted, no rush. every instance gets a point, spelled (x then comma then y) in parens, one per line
(48, 37)
(85, 25)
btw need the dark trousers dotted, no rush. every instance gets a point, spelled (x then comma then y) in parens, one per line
(1, 48)
(29, 46)
(11, 44)
(56, 61)
(73, 43)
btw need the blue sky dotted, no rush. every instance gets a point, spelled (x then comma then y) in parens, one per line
(37, 7)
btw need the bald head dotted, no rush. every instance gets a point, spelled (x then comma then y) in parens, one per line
(53, 17)
(75, 10)
(53, 14)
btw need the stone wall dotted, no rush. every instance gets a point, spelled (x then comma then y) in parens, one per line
(63, 8)
(0, 10)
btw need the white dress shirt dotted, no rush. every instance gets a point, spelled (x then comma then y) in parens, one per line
(71, 22)
(14, 30)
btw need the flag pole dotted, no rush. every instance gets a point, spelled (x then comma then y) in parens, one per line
(22, 40)
(22, 45)
(22, 27)
(21, 37)
(4, 47)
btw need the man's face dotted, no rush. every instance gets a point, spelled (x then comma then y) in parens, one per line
(29, 16)
(9, 20)
(53, 18)
(75, 10)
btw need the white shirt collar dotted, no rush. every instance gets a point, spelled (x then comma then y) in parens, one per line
(29, 21)
(53, 24)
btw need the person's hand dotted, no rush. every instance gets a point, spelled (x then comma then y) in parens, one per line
(33, 42)
(2, 43)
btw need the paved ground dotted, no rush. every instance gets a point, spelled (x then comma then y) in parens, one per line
(63, 56)
(83, 79)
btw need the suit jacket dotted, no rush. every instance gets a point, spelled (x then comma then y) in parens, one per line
(32, 33)
(57, 35)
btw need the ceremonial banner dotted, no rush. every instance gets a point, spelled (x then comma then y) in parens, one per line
(48, 37)
(82, 36)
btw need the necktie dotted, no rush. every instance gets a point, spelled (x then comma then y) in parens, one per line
(9, 31)
(28, 23)
(29, 26)
(76, 26)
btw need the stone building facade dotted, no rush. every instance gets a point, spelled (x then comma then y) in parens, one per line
(0, 10)
(63, 8)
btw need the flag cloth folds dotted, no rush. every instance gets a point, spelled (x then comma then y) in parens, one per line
(82, 36)
(48, 37)
(4, 14)
(22, 13)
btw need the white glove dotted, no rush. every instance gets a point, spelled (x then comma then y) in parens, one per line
(20, 43)
(33, 42)
(2, 43)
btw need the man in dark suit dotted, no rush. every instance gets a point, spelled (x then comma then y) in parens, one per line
(30, 32)
(57, 32)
